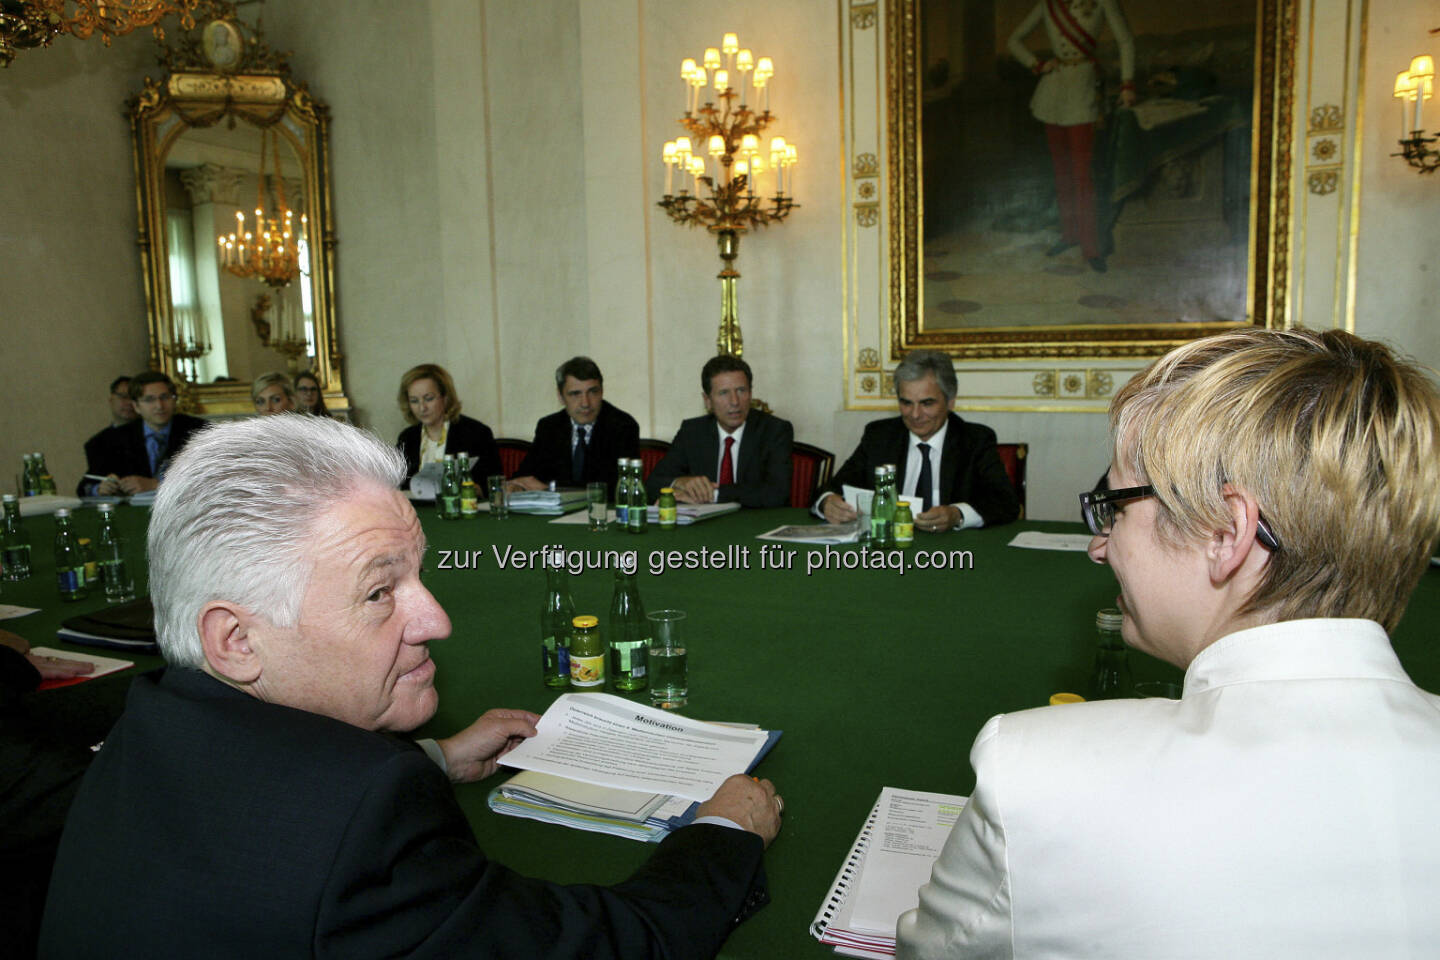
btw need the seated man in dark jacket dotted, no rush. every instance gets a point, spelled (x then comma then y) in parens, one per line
(580, 444)
(251, 804)
(733, 453)
(134, 456)
(951, 465)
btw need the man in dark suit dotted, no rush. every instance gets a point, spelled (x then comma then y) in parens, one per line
(950, 464)
(733, 453)
(580, 444)
(122, 412)
(253, 802)
(133, 457)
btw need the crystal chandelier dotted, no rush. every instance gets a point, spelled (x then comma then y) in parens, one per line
(270, 252)
(25, 24)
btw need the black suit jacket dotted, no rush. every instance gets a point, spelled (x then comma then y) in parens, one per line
(615, 435)
(762, 475)
(215, 825)
(970, 468)
(122, 450)
(466, 435)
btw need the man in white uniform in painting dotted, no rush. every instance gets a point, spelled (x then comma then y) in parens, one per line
(1067, 101)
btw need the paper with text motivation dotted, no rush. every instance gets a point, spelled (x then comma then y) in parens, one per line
(613, 742)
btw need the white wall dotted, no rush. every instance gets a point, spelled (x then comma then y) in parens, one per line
(495, 178)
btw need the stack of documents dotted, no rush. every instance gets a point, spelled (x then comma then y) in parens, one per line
(609, 765)
(546, 503)
(883, 873)
(688, 513)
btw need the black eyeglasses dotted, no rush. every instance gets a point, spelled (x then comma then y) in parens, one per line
(1099, 506)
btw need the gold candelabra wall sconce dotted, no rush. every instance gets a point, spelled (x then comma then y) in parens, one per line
(1412, 88)
(724, 153)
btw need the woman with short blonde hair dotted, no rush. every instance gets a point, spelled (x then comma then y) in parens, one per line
(430, 404)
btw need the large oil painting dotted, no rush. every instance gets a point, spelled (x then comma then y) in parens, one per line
(1078, 177)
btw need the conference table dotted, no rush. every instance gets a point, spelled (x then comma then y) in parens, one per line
(876, 676)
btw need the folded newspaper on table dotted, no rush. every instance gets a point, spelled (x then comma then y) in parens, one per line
(831, 533)
(546, 503)
(609, 765)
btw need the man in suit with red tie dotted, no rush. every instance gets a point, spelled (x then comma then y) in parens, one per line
(951, 465)
(733, 453)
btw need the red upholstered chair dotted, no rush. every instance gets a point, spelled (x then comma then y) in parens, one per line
(813, 467)
(1013, 456)
(651, 453)
(512, 454)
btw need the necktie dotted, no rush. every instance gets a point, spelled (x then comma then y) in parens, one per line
(923, 490)
(727, 464)
(577, 457)
(157, 446)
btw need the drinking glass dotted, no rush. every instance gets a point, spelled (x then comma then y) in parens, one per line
(499, 497)
(597, 495)
(115, 572)
(669, 682)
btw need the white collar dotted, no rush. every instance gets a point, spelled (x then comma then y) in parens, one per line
(1318, 649)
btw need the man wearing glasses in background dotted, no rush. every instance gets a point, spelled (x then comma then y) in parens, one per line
(132, 458)
(1273, 498)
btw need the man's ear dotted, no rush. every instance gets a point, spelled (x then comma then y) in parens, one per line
(225, 637)
(1231, 546)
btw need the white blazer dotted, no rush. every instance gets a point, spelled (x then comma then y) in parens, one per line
(1287, 806)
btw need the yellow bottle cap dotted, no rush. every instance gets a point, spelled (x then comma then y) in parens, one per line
(667, 489)
(585, 621)
(1058, 698)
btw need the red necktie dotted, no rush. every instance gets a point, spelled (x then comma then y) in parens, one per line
(727, 466)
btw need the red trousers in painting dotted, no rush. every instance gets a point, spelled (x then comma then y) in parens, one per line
(1071, 151)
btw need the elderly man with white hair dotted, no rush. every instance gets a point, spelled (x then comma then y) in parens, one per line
(249, 804)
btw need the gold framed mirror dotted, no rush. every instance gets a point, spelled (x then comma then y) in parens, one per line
(236, 228)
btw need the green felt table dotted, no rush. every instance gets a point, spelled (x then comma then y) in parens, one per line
(876, 677)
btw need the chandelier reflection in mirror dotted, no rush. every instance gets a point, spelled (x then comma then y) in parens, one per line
(271, 252)
(730, 134)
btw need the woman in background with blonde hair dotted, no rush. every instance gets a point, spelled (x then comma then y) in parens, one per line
(432, 408)
(272, 393)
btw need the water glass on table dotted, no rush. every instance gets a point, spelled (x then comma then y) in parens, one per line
(116, 574)
(597, 500)
(669, 680)
(499, 497)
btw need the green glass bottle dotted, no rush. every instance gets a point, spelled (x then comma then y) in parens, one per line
(30, 484)
(556, 618)
(622, 494)
(882, 511)
(587, 655)
(448, 502)
(14, 542)
(44, 482)
(1110, 679)
(69, 564)
(628, 631)
(638, 517)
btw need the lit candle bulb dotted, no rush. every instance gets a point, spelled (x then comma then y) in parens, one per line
(716, 146)
(687, 67)
(1402, 93)
(749, 145)
(698, 80)
(764, 70)
(667, 156)
(682, 150)
(730, 43)
(722, 82)
(1422, 73)
(712, 58)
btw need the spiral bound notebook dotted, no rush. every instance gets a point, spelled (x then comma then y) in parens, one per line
(882, 874)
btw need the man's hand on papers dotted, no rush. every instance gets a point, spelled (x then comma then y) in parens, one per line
(939, 518)
(752, 804)
(836, 510)
(474, 753)
(693, 489)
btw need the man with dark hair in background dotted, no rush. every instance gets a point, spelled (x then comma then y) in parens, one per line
(579, 444)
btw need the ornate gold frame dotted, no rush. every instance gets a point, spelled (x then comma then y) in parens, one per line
(187, 98)
(1269, 212)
